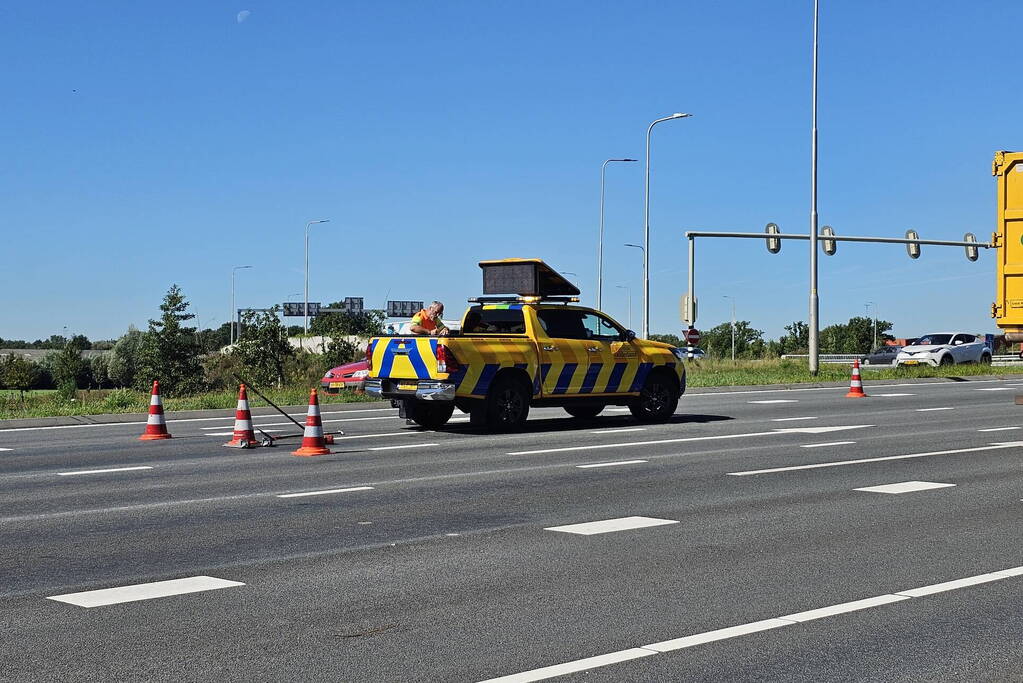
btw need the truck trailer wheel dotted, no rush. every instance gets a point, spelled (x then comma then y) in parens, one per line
(657, 400)
(506, 407)
(432, 415)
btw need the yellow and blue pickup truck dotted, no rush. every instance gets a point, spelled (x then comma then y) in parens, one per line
(532, 347)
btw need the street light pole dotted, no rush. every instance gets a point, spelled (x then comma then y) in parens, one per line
(814, 298)
(628, 291)
(646, 225)
(725, 296)
(234, 311)
(305, 308)
(600, 235)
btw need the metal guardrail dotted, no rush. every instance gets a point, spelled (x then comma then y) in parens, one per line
(843, 358)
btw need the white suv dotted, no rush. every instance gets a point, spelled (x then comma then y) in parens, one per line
(947, 348)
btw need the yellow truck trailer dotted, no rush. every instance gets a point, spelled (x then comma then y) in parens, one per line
(526, 343)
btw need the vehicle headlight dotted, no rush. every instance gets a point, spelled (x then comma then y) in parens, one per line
(678, 353)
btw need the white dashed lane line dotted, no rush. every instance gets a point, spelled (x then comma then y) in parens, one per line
(406, 445)
(831, 443)
(611, 464)
(5, 449)
(793, 419)
(144, 591)
(861, 461)
(620, 430)
(998, 429)
(609, 525)
(904, 487)
(931, 410)
(114, 469)
(890, 395)
(996, 389)
(324, 493)
(666, 646)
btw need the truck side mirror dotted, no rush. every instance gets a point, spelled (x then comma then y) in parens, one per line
(628, 335)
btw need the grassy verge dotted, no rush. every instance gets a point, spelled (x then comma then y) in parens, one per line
(49, 404)
(717, 373)
(705, 373)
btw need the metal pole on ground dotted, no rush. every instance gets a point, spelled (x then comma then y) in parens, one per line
(814, 298)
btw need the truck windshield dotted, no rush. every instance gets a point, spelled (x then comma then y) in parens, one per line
(487, 320)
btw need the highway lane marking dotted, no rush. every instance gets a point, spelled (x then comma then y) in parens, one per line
(840, 463)
(189, 419)
(931, 410)
(144, 591)
(666, 646)
(776, 432)
(904, 487)
(620, 430)
(890, 395)
(324, 493)
(995, 389)
(114, 469)
(406, 445)
(822, 445)
(268, 431)
(998, 429)
(606, 526)
(292, 424)
(611, 464)
(793, 419)
(776, 400)
(6, 449)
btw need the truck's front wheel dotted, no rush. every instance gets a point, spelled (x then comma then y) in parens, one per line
(431, 415)
(657, 400)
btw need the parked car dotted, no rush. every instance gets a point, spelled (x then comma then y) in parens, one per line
(348, 376)
(947, 348)
(694, 353)
(883, 355)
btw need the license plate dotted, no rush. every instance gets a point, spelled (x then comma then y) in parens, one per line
(337, 385)
(408, 386)
(911, 362)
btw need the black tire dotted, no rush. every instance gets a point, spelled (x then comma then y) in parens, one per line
(430, 415)
(657, 400)
(584, 412)
(507, 404)
(985, 359)
(946, 360)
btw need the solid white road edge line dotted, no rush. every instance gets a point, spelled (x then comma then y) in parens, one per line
(611, 464)
(839, 463)
(114, 469)
(720, 437)
(144, 591)
(752, 627)
(323, 493)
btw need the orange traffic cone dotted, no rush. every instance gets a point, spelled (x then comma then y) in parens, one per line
(156, 426)
(312, 440)
(856, 384)
(244, 436)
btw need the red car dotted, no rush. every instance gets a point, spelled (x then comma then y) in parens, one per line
(349, 376)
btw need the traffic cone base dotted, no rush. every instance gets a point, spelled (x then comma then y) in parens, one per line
(856, 383)
(313, 442)
(244, 435)
(156, 425)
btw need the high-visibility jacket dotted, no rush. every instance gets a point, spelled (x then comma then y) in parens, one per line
(423, 319)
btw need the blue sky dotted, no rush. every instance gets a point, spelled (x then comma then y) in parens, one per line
(155, 144)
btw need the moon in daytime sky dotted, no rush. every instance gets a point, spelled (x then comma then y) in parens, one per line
(243, 15)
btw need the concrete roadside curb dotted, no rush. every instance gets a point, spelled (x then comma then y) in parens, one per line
(172, 416)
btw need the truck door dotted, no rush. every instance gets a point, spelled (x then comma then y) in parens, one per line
(564, 353)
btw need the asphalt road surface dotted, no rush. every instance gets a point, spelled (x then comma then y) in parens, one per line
(744, 540)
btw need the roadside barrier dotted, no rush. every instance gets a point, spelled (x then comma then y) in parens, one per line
(312, 438)
(244, 435)
(856, 384)
(156, 425)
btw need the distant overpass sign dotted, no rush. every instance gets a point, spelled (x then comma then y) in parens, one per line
(403, 309)
(295, 309)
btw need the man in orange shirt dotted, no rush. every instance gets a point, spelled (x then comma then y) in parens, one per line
(428, 321)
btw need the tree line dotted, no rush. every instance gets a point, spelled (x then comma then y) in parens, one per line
(189, 361)
(855, 336)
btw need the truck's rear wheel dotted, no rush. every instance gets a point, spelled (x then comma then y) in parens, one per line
(657, 400)
(507, 405)
(584, 412)
(432, 415)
